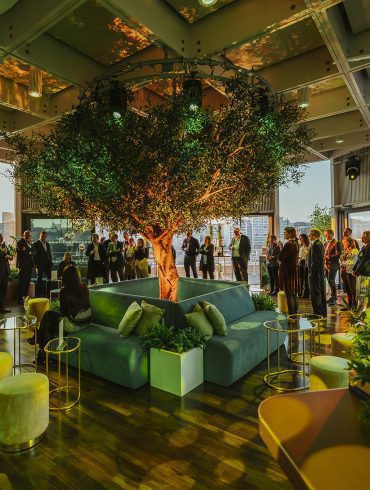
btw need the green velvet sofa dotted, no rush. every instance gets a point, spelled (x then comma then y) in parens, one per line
(125, 361)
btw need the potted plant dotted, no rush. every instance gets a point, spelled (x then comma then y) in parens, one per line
(176, 358)
(262, 302)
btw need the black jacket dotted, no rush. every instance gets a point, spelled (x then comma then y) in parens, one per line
(333, 251)
(61, 267)
(102, 253)
(117, 253)
(244, 247)
(41, 257)
(315, 261)
(362, 266)
(24, 255)
(4, 263)
(207, 259)
(274, 252)
(190, 247)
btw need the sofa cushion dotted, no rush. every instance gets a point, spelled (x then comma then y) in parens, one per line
(107, 355)
(130, 320)
(226, 359)
(151, 316)
(199, 321)
(215, 317)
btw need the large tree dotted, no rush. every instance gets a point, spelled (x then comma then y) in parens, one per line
(175, 168)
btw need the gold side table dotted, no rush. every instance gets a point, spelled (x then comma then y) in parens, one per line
(277, 379)
(21, 324)
(296, 345)
(65, 395)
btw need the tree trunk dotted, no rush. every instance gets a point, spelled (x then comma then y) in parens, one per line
(167, 272)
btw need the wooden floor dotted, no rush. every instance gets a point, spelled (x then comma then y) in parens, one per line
(149, 439)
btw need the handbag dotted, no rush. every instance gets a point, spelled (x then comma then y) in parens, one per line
(78, 323)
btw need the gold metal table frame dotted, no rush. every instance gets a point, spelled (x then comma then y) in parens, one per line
(71, 392)
(21, 324)
(273, 379)
(297, 320)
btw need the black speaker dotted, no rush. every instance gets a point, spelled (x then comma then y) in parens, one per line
(353, 167)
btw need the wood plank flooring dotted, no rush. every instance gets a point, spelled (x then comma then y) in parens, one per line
(148, 439)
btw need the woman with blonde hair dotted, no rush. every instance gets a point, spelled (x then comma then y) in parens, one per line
(129, 256)
(288, 270)
(362, 268)
(141, 264)
(347, 262)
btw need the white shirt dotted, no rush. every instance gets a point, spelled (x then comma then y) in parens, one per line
(96, 251)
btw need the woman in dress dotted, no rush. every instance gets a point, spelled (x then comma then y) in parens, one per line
(141, 264)
(115, 258)
(207, 259)
(288, 270)
(304, 247)
(362, 269)
(347, 262)
(130, 260)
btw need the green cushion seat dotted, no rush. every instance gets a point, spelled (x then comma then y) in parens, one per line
(328, 372)
(342, 345)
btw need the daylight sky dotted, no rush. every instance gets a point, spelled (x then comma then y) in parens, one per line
(298, 201)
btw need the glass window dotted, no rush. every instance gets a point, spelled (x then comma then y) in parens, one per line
(359, 222)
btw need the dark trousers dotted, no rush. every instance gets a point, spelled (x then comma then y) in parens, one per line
(240, 267)
(318, 296)
(292, 303)
(205, 271)
(303, 279)
(49, 328)
(274, 277)
(97, 269)
(115, 271)
(3, 288)
(330, 276)
(41, 290)
(349, 282)
(190, 262)
(24, 282)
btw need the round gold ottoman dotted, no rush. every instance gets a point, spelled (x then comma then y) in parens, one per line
(328, 372)
(37, 307)
(342, 344)
(6, 365)
(24, 410)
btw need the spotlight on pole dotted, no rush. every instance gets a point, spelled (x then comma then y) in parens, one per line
(353, 167)
(34, 82)
(303, 97)
(117, 100)
(193, 89)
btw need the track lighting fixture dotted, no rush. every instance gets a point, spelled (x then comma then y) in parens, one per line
(34, 82)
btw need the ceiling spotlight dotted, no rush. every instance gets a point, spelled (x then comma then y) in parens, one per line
(353, 167)
(34, 82)
(193, 89)
(303, 97)
(339, 140)
(117, 100)
(207, 3)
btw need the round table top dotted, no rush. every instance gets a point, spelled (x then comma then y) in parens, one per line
(18, 322)
(297, 325)
(69, 344)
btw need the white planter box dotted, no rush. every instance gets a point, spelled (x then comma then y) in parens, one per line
(176, 373)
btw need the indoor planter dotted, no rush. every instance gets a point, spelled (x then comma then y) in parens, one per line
(176, 358)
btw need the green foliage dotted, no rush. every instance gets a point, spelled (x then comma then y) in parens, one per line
(175, 340)
(55, 305)
(263, 302)
(13, 274)
(364, 415)
(320, 218)
(362, 368)
(133, 173)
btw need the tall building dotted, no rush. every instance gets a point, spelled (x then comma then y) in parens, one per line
(8, 226)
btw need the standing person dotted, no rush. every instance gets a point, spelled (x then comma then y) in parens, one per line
(273, 254)
(304, 246)
(362, 267)
(207, 258)
(115, 258)
(347, 261)
(240, 247)
(190, 247)
(42, 260)
(97, 255)
(141, 263)
(126, 238)
(316, 273)
(129, 256)
(67, 260)
(333, 251)
(5, 257)
(25, 265)
(288, 270)
(347, 233)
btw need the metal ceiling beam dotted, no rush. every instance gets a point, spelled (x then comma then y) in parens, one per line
(329, 103)
(349, 122)
(353, 139)
(156, 20)
(5, 120)
(15, 96)
(21, 120)
(334, 33)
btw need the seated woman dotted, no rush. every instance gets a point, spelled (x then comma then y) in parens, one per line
(67, 260)
(75, 310)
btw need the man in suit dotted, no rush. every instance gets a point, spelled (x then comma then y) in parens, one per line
(4, 273)
(97, 254)
(273, 265)
(240, 247)
(316, 273)
(190, 247)
(333, 251)
(24, 264)
(42, 260)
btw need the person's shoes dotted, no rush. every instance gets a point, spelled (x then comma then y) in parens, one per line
(5, 310)
(332, 302)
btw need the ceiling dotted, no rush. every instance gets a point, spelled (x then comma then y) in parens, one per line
(322, 44)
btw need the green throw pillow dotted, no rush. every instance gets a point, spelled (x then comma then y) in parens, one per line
(198, 320)
(151, 315)
(130, 319)
(215, 317)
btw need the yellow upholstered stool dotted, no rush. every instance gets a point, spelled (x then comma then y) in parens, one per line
(24, 410)
(37, 307)
(282, 303)
(342, 344)
(328, 372)
(6, 365)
